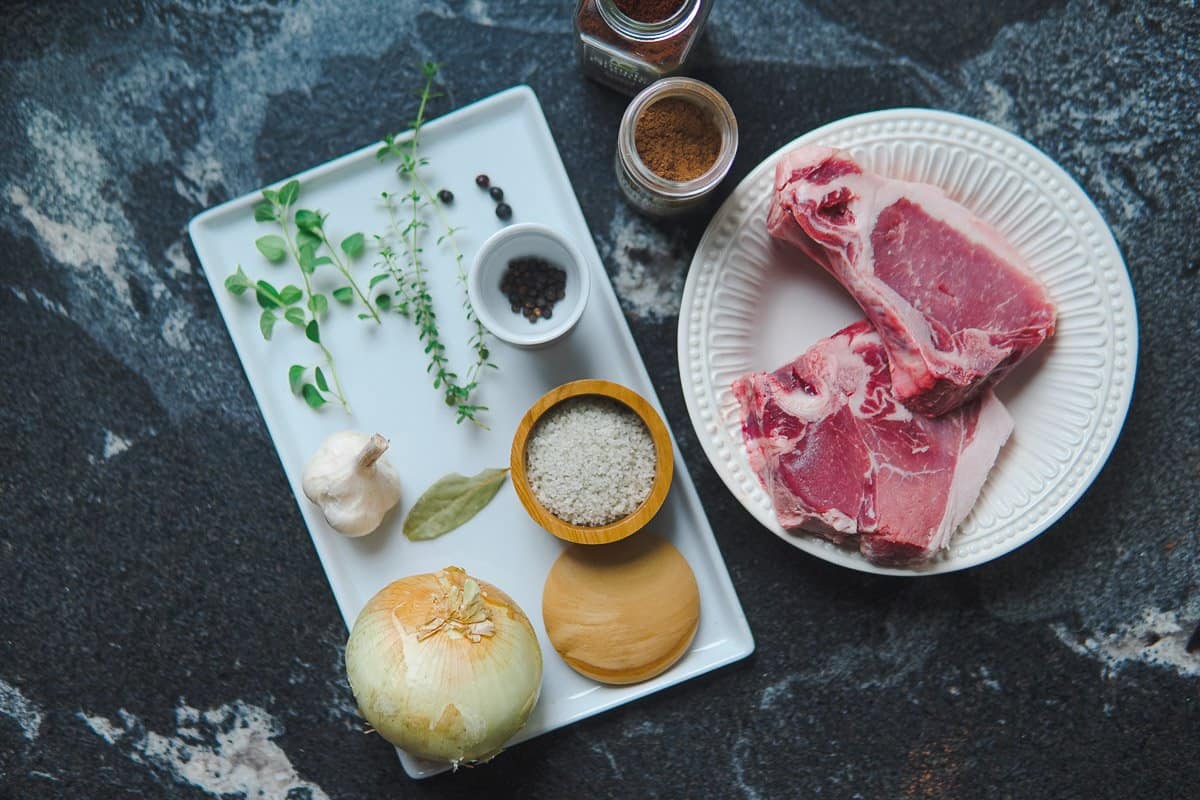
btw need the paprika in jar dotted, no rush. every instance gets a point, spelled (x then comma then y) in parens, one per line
(629, 44)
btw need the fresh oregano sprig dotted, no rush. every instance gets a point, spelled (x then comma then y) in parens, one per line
(313, 223)
(276, 207)
(412, 292)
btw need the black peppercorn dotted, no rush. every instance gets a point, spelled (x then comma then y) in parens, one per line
(446, 196)
(530, 284)
(503, 210)
(482, 181)
(496, 192)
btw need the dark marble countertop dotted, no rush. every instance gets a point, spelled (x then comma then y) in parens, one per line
(142, 648)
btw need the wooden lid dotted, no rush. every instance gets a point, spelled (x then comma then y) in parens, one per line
(623, 612)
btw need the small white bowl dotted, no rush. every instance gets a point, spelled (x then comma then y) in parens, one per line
(525, 240)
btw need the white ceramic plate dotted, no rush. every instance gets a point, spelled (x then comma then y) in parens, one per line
(752, 304)
(383, 371)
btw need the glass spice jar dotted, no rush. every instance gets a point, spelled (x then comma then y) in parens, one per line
(622, 49)
(652, 193)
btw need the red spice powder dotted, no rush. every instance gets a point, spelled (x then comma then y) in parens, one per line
(663, 53)
(648, 10)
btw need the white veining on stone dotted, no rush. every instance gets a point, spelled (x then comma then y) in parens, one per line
(177, 260)
(173, 329)
(910, 636)
(1000, 111)
(114, 444)
(1158, 638)
(650, 265)
(45, 302)
(1098, 124)
(601, 749)
(19, 708)
(738, 753)
(223, 751)
(103, 728)
(985, 678)
(85, 248)
(644, 728)
(338, 701)
(477, 12)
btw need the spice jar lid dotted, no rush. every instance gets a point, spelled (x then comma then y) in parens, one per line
(703, 96)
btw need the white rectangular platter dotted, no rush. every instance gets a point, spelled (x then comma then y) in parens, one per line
(382, 368)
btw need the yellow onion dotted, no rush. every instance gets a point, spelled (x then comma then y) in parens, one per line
(444, 666)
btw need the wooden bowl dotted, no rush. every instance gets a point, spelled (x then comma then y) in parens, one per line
(664, 469)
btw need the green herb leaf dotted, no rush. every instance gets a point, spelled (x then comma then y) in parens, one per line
(307, 239)
(239, 282)
(344, 295)
(352, 245)
(318, 304)
(272, 247)
(290, 294)
(312, 396)
(267, 296)
(319, 260)
(320, 376)
(377, 279)
(295, 377)
(289, 192)
(264, 211)
(270, 195)
(266, 323)
(450, 502)
(308, 220)
(383, 301)
(313, 332)
(295, 316)
(307, 259)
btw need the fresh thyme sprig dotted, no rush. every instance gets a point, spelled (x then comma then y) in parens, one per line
(478, 340)
(412, 293)
(414, 300)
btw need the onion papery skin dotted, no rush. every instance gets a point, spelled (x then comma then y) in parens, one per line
(443, 697)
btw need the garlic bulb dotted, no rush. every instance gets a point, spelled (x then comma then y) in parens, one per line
(444, 666)
(351, 481)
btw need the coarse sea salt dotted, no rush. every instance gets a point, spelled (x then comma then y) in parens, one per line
(590, 461)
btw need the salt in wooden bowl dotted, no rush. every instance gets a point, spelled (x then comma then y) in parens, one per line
(664, 469)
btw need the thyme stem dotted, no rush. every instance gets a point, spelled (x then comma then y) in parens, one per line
(412, 291)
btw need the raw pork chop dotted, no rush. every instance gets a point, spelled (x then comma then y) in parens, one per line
(839, 455)
(955, 303)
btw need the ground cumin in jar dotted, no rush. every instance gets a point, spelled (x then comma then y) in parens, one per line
(676, 139)
(628, 44)
(676, 143)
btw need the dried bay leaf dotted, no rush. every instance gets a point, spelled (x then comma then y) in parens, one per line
(450, 502)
